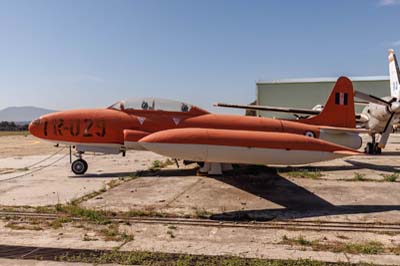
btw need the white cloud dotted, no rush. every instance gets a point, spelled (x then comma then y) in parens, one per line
(389, 2)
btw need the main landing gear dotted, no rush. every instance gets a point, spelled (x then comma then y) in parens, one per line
(372, 147)
(79, 166)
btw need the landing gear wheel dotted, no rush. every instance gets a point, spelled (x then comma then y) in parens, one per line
(377, 149)
(79, 167)
(372, 148)
(369, 149)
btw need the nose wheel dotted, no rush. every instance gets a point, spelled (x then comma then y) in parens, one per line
(79, 166)
(372, 147)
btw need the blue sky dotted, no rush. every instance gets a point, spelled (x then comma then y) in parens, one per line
(75, 54)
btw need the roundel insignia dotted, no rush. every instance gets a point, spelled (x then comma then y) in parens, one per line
(310, 134)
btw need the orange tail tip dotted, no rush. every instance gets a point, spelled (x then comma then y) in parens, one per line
(339, 109)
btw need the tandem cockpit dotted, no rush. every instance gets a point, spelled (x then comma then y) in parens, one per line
(156, 104)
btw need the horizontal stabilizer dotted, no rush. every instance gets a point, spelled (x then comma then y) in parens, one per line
(344, 129)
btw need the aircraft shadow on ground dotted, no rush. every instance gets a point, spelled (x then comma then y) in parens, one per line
(354, 165)
(364, 165)
(144, 173)
(265, 182)
(390, 153)
(296, 201)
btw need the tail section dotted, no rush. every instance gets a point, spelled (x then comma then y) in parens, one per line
(394, 74)
(339, 109)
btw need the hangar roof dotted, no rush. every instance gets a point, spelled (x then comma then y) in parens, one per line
(317, 80)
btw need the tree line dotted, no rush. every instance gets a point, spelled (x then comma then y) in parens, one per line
(12, 126)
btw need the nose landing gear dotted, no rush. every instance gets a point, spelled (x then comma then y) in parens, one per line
(79, 166)
(372, 147)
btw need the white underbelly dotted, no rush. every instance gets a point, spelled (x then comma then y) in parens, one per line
(235, 154)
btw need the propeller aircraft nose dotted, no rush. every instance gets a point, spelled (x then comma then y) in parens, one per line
(395, 107)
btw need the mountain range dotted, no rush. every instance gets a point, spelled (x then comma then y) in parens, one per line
(22, 114)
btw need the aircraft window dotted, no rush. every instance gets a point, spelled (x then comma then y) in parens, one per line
(156, 104)
(117, 106)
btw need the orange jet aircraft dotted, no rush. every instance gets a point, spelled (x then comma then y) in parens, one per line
(183, 131)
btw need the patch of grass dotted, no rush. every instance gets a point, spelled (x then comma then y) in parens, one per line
(371, 247)
(203, 214)
(166, 259)
(58, 223)
(157, 164)
(14, 133)
(359, 177)
(305, 173)
(99, 217)
(301, 241)
(390, 177)
(112, 233)
(144, 213)
(23, 226)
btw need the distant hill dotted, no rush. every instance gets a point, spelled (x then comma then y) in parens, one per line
(22, 114)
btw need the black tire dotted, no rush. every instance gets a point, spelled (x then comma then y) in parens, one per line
(201, 164)
(79, 167)
(369, 149)
(377, 150)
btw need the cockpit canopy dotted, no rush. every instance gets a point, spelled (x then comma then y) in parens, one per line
(155, 104)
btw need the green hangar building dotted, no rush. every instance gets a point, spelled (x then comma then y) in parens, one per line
(309, 92)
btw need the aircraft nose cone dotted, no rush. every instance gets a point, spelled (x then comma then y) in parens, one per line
(395, 107)
(34, 127)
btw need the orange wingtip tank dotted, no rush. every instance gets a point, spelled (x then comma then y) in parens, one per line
(238, 146)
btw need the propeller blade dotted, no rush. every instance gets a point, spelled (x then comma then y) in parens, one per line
(371, 98)
(386, 132)
(361, 102)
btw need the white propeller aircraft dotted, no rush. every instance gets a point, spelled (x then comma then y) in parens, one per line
(380, 113)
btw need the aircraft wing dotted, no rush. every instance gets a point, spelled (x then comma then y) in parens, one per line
(277, 108)
(359, 117)
(269, 108)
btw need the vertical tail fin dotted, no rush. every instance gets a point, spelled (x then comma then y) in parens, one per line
(394, 74)
(339, 108)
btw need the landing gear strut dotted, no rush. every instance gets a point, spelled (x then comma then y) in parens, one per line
(79, 166)
(372, 147)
